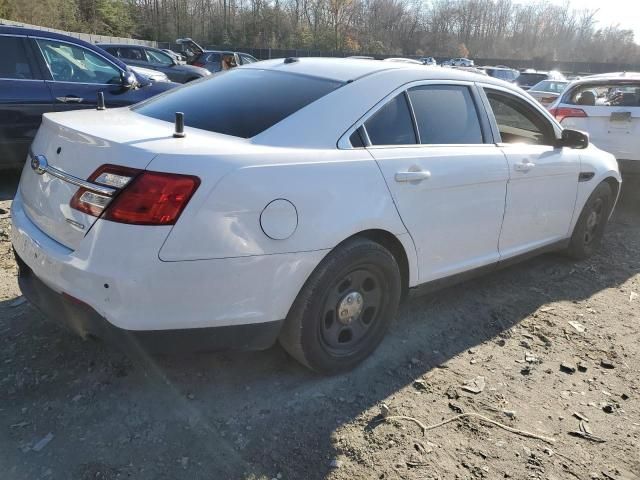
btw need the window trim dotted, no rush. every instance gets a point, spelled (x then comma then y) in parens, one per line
(488, 135)
(542, 113)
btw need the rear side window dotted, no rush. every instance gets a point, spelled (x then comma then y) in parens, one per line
(614, 94)
(531, 78)
(13, 61)
(445, 115)
(392, 124)
(240, 102)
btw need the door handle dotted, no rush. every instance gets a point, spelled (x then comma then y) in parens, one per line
(70, 99)
(408, 176)
(525, 166)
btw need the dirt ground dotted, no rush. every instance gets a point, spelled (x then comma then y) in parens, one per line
(74, 409)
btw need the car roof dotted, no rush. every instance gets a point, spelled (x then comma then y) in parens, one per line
(349, 69)
(34, 32)
(608, 77)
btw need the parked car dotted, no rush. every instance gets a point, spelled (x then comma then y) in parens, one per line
(361, 180)
(155, 59)
(175, 55)
(44, 71)
(608, 108)
(213, 60)
(529, 78)
(461, 62)
(547, 91)
(152, 75)
(361, 57)
(428, 61)
(503, 73)
(403, 60)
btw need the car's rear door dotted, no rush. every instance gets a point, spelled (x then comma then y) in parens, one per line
(543, 178)
(446, 176)
(24, 97)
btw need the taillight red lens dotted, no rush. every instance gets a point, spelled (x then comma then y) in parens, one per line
(566, 112)
(198, 64)
(113, 176)
(152, 198)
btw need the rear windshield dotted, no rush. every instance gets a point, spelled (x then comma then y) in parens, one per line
(615, 94)
(242, 102)
(531, 78)
(549, 86)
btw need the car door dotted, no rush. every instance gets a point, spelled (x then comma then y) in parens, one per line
(447, 178)
(24, 97)
(543, 178)
(77, 74)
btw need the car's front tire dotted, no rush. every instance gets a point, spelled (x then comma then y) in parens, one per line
(345, 307)
(589, 230)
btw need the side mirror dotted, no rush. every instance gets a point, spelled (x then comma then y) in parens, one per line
(128, 80)
(574, 139)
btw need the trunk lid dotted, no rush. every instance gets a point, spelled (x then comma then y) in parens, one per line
(46, 197)
(76, 143)
(614, 129)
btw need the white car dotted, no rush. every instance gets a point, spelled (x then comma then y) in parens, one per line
(152, 75)
(300, 205)
(548, 91)
(608, 108)
(462, 62)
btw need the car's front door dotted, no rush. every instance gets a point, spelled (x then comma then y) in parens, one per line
(543, 178)
(24, 97)
(78, 74)
(447, 178)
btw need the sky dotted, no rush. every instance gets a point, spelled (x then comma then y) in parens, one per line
(626, 13)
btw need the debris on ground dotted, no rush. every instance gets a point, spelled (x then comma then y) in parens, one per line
(569, 368)
(43, 442)
(475, 385)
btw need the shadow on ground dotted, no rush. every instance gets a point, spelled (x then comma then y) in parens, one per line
(252, 415)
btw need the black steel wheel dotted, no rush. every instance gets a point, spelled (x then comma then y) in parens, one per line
(344, 309)
(589, 230)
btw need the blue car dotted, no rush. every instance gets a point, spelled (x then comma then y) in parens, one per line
(48, 72)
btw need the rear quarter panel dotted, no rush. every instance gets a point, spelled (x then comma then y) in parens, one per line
(336, 193)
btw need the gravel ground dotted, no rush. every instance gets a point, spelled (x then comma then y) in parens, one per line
(504, 346)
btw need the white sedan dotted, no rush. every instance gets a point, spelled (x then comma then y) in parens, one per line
(607, 106)
(302, 200)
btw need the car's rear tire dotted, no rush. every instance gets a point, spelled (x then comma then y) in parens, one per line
(344, 309)
(589, 230)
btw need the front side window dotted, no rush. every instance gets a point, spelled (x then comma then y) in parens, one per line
(158, 58)
(247, 59)
(13, 61)
(519, 122)
(445, 114)
(71, 63)
(240, 102)
(392, 124)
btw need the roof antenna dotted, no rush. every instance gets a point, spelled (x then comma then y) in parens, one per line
(179, 131)
(100, 105)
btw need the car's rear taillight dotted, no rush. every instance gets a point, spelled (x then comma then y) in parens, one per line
(141, 197)
(153, 198)
(567, 112)
(198, 64)
(113, 176)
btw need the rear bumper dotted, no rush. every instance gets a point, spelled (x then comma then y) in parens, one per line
(115, 270)
(84, 321)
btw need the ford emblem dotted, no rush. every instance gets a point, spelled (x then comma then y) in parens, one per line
(39, 164)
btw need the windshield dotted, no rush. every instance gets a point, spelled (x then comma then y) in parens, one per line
(241, 102)
(549, 86)
(530, 78)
